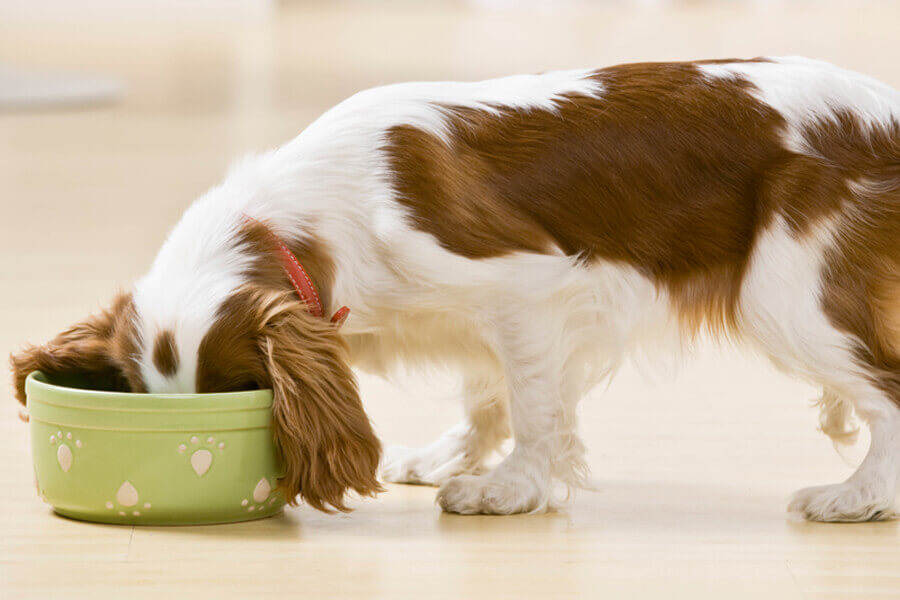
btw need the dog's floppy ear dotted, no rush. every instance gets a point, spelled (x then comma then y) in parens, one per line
(93, 350)
(324, 437)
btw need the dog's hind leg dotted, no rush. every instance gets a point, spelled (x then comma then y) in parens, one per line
(869, 494)
(871, 382)
(815, 314)
(463, 448)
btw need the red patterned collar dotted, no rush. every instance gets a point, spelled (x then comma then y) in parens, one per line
(300, 278)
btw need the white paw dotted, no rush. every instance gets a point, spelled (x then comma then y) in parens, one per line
(497, 493)
(432, 465)
(844, 502)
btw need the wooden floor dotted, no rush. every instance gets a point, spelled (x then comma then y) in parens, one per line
(692, 471)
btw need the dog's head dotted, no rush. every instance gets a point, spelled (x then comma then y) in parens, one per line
(169, 337)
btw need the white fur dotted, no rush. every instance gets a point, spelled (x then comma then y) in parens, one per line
(192, 275)
(804, 91)
(531, 333)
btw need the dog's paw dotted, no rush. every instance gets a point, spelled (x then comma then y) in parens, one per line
(496, 493)
(432, 465)
(844, 502)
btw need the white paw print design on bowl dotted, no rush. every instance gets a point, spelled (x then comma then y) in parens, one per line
(202, 454)
(64, 454)
(127, 501)
(261, 493)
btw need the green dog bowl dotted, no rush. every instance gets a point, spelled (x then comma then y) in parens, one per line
(152, 459)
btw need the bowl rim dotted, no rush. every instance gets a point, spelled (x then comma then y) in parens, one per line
(39, 389)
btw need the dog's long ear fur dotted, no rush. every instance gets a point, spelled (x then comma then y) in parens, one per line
(323, 435)
(92, 349)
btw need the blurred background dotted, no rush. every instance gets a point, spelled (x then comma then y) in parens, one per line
(116, 114)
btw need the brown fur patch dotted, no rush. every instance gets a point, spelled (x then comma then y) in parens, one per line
(228, 358)
(886, 309)
(668, 171)
(101, 350)
(861, 286)
(165, 353)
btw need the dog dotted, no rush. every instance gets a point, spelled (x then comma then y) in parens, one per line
(531, 231)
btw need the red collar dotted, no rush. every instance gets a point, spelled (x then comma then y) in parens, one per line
(300, 279)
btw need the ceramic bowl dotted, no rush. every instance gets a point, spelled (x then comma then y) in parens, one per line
(152, 459)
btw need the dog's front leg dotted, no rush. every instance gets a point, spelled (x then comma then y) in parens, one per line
(461, 449)
(542, 397)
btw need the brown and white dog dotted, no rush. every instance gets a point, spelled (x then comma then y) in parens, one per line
(531, 231)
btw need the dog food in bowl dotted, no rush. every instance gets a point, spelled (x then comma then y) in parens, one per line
(152, 459)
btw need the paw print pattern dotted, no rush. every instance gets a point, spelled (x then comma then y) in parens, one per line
(261, 493)
(64, 454)
(202, 454)
(127, 501)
